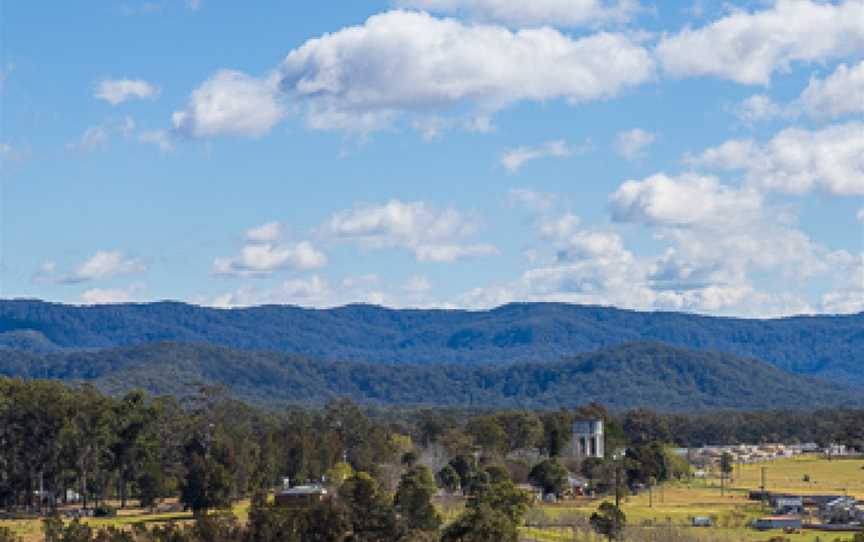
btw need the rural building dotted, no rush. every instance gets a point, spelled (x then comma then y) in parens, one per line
(301, 496)
(588, 439)
(777, 522)
(786, 505)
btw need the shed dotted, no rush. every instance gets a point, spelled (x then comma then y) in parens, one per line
(777, 522)
(702, 521)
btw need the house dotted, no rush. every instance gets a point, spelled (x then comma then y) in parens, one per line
(301, 496)
(786, 505)
(777, 522)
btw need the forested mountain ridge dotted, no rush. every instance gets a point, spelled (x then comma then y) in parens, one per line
(634, 375)
(825, 346)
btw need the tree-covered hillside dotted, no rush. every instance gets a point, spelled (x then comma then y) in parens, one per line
(827, 346)
(634, 375)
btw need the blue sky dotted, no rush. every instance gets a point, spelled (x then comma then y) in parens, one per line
(684, 156)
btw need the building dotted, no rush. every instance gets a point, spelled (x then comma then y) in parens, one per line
(777, 522)
(300, 496)
(588, 439)
(788, 505)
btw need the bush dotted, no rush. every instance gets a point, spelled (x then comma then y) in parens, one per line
(104, 511)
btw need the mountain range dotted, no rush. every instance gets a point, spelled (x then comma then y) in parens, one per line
(542, 354)
(626, 376)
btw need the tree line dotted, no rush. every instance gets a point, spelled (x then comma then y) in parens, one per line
(383, 466)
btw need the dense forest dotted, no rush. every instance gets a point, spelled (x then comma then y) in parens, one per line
(825, 346)
(634, 375)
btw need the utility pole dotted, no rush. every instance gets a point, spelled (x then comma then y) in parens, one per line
(764, 484)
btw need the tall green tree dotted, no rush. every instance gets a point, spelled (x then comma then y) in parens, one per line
(413, 500)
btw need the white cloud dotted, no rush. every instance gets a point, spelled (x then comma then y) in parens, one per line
(231, 103)
(117, 91)
(265, 233)
(759, 108)
(161, 139)
(839, 94)
(849, 295)
(265, 258)
(102, 296)
(561, 13)
(539, 202)
(401, 62)
(514, 159)
(798, 161)
(104, 264)
(98, 137)
(313, 291)
(860, 215)
(430, 233)
(748, 47)
(688, 199)
(451, 253)
(631, 143)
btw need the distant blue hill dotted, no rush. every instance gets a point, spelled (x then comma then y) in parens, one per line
(830, 347)
(632, 375)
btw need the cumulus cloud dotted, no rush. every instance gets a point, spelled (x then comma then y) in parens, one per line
(363, 78)
(312, 291)
(231, 103)
(797, 161)
(533, 200)
(749, 47)
(117, 91)
(631, 144)
(848, 297)
(103, 296)
(514, 159)
(432, 234)
(839, 94)
(265, 233)
(104, 264)
(560, 13)
(403, 61)
(688, 199)
(759, 108)
(713, 245)
(265, 258)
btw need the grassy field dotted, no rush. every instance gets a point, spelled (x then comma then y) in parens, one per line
(31, 529)
(673, 505)
(676, 503)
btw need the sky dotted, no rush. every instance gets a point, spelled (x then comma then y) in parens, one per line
(690, 156)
